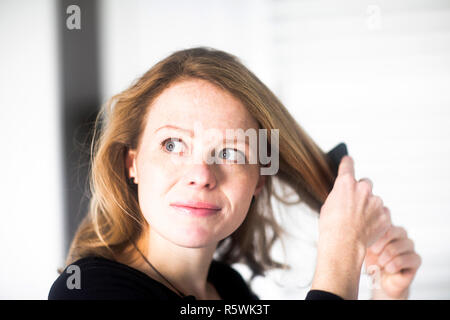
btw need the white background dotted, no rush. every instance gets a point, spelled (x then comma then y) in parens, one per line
(31, 226)
(375, 74)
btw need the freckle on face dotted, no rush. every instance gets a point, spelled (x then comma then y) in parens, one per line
(161, 181)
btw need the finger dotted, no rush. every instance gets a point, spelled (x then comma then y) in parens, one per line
(346, 166)
(370, 259)
(368, 181)
(395, 248)
(375, 203)
(405, 261)
(377, 214)
(402, 280)
(393, 233)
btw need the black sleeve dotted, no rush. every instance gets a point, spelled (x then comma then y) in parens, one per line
(322, 295)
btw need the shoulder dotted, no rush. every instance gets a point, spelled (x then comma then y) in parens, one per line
(99, 278)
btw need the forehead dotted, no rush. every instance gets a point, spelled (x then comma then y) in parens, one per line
(198, 101)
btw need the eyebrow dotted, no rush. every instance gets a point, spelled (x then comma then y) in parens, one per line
(168, 126)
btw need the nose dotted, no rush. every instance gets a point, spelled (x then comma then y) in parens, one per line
(200, 176)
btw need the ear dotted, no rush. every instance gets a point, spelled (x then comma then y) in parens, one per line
(260, 185)
(130, 164)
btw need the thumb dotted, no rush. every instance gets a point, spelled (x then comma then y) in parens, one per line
(346, 166)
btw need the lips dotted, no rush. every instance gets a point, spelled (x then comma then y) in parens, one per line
(196, 204)
(196, 208)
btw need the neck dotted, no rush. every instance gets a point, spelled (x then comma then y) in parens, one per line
(185, 268)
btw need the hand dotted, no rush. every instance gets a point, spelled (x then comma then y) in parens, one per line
(351, 219)
(395, 259)
(351, 213)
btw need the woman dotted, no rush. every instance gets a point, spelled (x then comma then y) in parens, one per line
(165, 222)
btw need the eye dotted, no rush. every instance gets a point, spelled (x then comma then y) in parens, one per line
(170, 145)
(235, 155)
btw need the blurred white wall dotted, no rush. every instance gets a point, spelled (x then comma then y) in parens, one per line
(31, 225)
(374, 74)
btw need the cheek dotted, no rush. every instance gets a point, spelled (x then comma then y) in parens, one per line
(155, 184)
(154, 181)
(239, 191)
(241, 182)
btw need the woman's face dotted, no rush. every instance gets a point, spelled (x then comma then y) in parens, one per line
(169, 165)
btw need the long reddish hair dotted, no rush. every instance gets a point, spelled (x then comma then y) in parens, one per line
(114, 219)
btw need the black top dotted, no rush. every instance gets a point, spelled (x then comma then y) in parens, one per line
(104, 279)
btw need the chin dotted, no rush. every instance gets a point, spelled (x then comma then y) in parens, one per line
(194, 244)
(194, 239)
